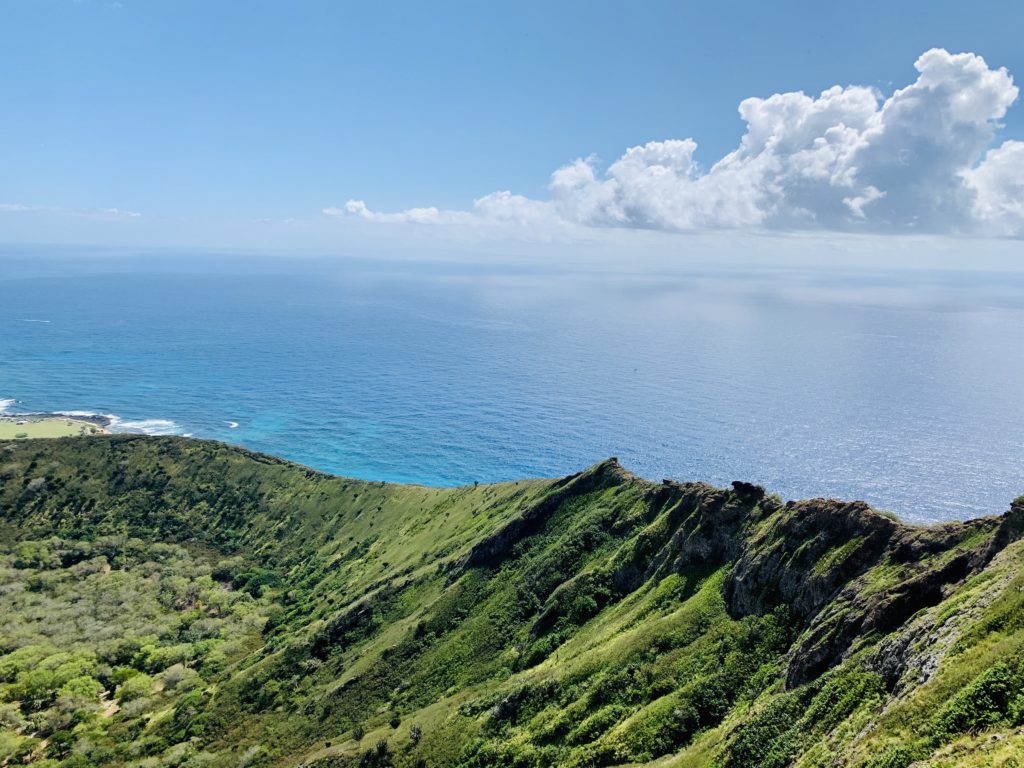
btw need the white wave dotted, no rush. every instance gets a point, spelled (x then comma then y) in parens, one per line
(143, 426)
(232, 425)
(33, 320)
(114, 423)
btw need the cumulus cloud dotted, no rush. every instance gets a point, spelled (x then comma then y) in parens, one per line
(495, 209)
(997, 184)
(919, 160)
(413, 215)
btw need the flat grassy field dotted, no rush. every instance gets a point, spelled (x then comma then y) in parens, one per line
(45, 427)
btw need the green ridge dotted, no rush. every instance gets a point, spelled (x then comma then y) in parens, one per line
(173, 602)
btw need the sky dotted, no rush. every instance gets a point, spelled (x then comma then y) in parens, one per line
(328, 124)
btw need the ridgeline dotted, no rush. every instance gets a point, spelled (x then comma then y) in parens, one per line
(174, 602)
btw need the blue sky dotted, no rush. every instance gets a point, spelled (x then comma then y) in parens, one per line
(214, 115)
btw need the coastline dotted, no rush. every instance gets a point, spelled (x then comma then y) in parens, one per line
(23, 426)
(70, 423)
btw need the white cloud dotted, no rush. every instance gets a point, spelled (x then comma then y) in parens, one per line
(412, 215)
(94, 213)
(114, 213)
(850, 159)
(998, 187)
(496, 210)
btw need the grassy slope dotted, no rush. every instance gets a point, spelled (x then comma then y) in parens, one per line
(297, 618)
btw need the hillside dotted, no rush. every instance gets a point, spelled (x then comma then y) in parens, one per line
(172, 602)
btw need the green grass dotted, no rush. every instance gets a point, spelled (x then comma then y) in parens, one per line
(837, 555)
(30, 428)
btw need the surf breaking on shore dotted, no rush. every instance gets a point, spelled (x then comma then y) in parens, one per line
(107, 422)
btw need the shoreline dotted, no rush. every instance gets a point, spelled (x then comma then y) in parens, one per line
(62, 423)
(24, 426)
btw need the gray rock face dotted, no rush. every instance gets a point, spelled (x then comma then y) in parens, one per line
(812, 556)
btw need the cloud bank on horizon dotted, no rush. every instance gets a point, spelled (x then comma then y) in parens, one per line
(100, 213)
(922, 160)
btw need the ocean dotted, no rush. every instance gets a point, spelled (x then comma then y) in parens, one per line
(902, 387)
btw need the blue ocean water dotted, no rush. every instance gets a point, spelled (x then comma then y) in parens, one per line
(901, 387)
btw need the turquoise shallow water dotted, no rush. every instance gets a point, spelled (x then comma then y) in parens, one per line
(904, 388)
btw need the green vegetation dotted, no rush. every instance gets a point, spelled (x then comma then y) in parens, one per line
(170, 602)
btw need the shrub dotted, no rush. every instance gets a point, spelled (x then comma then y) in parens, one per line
(60, 744)
(982, 704)
(595, 725)
(894, 757)
(255, 581)
(135, 687)
(766, 740)
(178, 676)
(839, 697)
